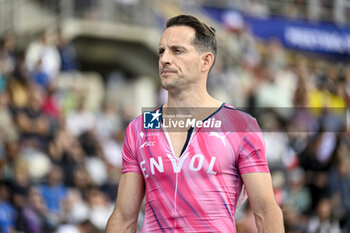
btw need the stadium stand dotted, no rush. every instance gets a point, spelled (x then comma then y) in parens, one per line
(74, 73)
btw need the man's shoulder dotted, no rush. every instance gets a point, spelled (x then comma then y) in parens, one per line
(134, 125)
(237, 113)
(237, 120)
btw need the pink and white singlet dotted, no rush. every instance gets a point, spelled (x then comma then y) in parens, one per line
(197, 192)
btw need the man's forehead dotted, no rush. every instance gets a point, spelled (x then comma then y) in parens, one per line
(177, 35)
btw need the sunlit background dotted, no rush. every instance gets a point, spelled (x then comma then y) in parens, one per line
(74, 73)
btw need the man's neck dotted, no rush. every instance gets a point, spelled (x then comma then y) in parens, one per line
(197, 105)
(191, 99)
(192, 103)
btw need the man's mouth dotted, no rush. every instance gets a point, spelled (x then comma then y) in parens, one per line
(167, 71)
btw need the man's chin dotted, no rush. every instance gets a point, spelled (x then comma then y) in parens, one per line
(168, 85)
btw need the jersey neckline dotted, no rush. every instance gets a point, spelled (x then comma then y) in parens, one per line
(211, 115)
(190, 132)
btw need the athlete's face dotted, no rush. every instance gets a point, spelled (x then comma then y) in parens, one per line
(179, 61)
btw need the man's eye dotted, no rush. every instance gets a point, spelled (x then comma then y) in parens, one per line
(177, 51)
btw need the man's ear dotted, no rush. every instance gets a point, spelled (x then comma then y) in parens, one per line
(207, 61)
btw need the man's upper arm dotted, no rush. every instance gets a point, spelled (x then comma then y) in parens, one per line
(130, 194)
(253, 167)
(255, 174)
(131, 187)
(259, 190)
(268, 215)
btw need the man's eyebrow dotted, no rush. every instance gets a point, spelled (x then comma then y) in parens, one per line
(177, 47)
(170, 46)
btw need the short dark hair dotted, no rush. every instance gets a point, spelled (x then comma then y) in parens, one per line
(204, 40)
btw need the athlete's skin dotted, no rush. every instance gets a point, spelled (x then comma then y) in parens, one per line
(183, 72)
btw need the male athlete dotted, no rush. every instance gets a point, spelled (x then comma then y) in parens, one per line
(192, 179)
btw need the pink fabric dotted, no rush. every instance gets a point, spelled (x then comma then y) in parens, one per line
(50, 107)
(199, 191)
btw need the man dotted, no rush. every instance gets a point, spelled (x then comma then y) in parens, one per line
(193, 179)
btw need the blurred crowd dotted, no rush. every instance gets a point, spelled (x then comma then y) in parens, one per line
(301, 102)
(60, 158)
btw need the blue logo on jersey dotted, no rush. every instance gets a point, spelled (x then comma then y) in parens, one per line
(151, 120)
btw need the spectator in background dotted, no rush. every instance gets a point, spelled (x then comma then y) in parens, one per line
(20, 186)
(50, 106)
(60, 146)
(107, 121)
(113, 149)
(340, 184)
(83, 227)
(39, 76)
(256, 8)
(82, 179)
(347, 84)
(277, 56)
(32, 122)
(43, 51)
(80, 120)
(34, 218)
(97, 170)
(275, 140)
(315, 170)
(301, 91)
(66, 151)
(3, 79)
(297, 195)
(100, 208)
(7, 212)
(67, 54)
(8, 53)
(323, 222)
(12, 150)
(19, 91)
(76, 210)
(326, 93)
(296, 201)
(20, 72)
(292, 11)
(54, 193)
(8, 129)
(90, 144)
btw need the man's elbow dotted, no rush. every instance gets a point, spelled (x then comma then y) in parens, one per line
(269, 219)
(119, 222)
(273, 209)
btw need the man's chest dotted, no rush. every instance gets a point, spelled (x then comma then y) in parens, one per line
(202, 154)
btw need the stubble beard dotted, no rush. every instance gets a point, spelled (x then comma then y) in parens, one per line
(172, 85)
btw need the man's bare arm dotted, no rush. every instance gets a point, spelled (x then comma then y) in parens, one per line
(268, 215)
(130, 195)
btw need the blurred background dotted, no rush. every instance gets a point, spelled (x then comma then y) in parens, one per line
(74, 73)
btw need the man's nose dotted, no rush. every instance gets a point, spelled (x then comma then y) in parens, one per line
(165, 58)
